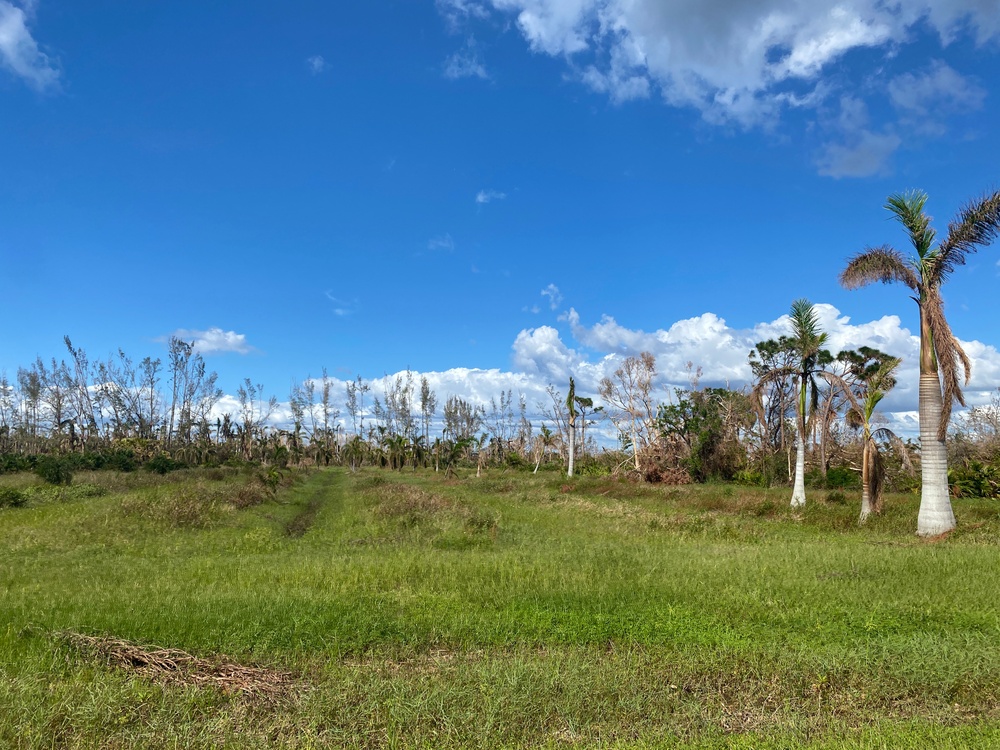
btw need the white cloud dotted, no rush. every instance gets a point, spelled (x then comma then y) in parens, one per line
(465, 63)
(441, 242)
(863, 155)
(215, 341)
(341, 308)
(554, 295)
(19, 52)
(487, 196)
(540, 357)
(924, 99)
(456, 12)
(316, 64)
(734, 60)
(860, 152)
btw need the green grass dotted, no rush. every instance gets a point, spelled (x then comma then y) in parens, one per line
(507, 611)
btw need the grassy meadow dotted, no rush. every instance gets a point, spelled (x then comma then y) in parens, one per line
(402, 609)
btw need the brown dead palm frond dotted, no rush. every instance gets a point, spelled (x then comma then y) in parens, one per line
(887, 435)
(874, 475)
(976, 225)
(884, 264)
(950, 356)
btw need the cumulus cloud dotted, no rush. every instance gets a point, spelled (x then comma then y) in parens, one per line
(488, 196)
(19, 52)
(541, 357)
(732, 60)
(215, 341)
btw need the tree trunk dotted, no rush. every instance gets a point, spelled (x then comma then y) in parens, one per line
(866, 493)
(572, 447)
(935, 516)
(799, 489)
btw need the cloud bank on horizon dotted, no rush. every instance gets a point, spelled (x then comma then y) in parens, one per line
(540, 356)
(746, 62)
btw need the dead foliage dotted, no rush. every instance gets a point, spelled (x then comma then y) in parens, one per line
(175, 667)
(405, 501)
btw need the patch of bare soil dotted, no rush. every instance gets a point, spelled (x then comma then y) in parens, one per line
(175, 667)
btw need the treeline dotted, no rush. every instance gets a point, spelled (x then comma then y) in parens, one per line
(121, 414)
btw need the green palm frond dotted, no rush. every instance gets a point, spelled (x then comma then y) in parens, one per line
(908, 208)
(807, 338)
(976, 225)
(884, 264)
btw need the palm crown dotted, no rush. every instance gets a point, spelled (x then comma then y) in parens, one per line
(976, 225)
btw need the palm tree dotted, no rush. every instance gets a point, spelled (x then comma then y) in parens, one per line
(806, 342)
(571, 421)
(975, 226)
(875, 373)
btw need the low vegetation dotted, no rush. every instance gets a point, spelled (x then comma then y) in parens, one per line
(227, 607)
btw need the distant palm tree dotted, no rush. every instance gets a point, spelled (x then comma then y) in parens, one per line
(875, 373)
(975, 226)
(571, 423)
(806, 341)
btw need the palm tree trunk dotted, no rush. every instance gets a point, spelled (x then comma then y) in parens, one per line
(866, 491)
(572, 447)
(799, 489)
(935, 516)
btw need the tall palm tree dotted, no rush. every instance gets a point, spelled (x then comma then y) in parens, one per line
(806, 341)
(941, 356)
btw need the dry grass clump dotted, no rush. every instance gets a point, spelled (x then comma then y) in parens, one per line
(409, 504)
(188, 506)
(410, 507)
(175, 667)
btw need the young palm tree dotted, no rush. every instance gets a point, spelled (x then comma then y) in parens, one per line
(875, 373)
(975, 226)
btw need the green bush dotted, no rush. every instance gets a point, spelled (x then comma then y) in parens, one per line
(54, 469)
(162, 464)
(11, 463)
(12, 498)
(751, 478)
(842, 478)
(974, 479)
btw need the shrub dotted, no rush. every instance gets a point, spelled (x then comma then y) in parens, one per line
(121, 460)
(842, 478)
(12, 498)
(974, 479)
(751, 478)
(162, 464)
(54, 469)
(11, 463)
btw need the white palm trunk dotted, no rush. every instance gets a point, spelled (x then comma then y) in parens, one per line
(866, 493)
(572, 447)
(799, 488)
(935, 516)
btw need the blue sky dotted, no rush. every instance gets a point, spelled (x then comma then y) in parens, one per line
(482, 184)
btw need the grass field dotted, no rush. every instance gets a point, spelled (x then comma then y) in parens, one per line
(405, 610)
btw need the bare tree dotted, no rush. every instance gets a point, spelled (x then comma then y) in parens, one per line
(629, 396)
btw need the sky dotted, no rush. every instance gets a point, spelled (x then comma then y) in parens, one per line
(496, 193)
